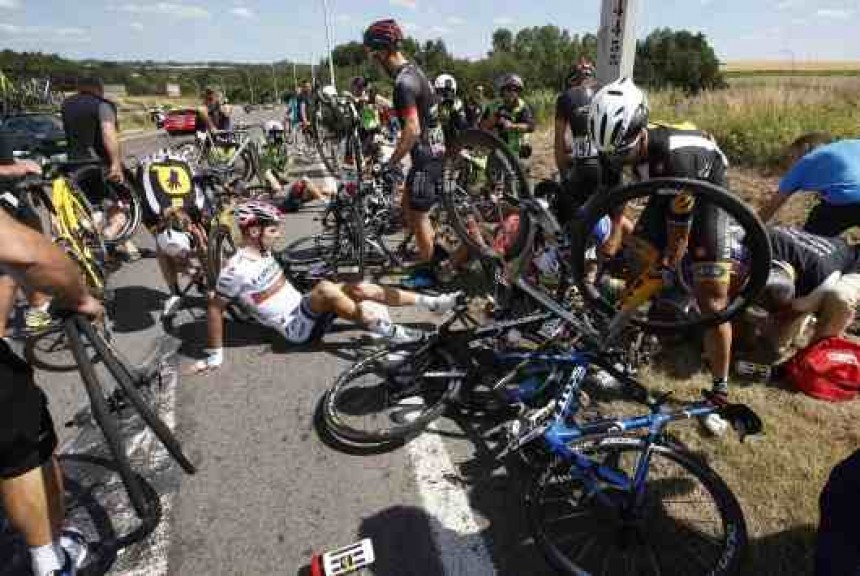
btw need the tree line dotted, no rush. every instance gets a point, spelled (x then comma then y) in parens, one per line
(542, 55)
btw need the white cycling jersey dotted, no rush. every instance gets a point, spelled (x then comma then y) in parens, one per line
(248, 277)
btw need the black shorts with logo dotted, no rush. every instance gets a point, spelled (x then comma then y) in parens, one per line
(424, 185)
(27, 437)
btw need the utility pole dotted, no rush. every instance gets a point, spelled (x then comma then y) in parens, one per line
(275, 84)
(616, 39)
(295, 79)
(328, 41)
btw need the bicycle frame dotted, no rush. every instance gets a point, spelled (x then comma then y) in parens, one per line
(65, 204)
(562, 432)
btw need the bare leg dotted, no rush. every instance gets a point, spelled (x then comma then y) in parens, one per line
(425, 235)
(168, 270)
(382, 294)
(8, 288)
(34, 503)
(713, 297)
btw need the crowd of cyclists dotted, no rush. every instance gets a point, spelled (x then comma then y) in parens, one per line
(603, 136)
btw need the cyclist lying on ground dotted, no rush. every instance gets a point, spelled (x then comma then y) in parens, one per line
(173, 211)
(254, 280)
(811, 276)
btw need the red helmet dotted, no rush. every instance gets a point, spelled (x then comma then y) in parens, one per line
(253, 212)
(582, 70)
(383, 35)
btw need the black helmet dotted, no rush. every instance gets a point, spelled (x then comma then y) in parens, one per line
(383, 35)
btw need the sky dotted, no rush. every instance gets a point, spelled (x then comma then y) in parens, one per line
(271, 30)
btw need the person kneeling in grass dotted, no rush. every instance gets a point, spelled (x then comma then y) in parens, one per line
(253, 280)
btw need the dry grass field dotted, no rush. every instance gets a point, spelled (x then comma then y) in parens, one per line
(819, 66)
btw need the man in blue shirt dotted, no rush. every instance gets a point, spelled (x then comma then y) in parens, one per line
(832, 170)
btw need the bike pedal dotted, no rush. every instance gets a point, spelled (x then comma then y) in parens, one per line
(346, 560)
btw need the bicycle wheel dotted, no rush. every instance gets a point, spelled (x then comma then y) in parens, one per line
(129, 203)
(483, 185)
(221, 248)
(687, 521)
(392, 394)
(310, 249)
(725, 220)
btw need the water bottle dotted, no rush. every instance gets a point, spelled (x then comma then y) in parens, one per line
(349, 175)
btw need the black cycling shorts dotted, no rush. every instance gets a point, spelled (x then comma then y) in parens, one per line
(714, 238)
(424, 186)
(27, 437)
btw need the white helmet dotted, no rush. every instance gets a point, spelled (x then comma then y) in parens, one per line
(329, 92)
(618, 113)
(173, 243)
(273, 126)
(445, 82)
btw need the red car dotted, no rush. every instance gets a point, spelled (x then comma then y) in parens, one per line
(181, 121)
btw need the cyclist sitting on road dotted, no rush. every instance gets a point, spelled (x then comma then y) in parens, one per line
(415, 104)
(619, 130)
(300, 191)
(214, 115)
(832, 170)
(510, 118)
(575, 158)
(173, 211)
(254, 280)
(31, 482)
(452, 111)
(811, 276)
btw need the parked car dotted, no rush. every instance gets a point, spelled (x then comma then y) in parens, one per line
(181, 121)
(38, 133)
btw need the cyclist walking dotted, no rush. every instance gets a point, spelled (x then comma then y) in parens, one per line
(576, 159)
(510, 118)
(421, 137)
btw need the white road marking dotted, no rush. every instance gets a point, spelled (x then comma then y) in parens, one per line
(457, 534)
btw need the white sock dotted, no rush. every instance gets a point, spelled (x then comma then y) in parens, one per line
(382, 326)
(47, 558)
(427, 303)
(44, 307)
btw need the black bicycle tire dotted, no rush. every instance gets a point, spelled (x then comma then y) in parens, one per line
(101, 413)
(213, 255)
(730, 510)
(336, 425)
(358, 232)
(756, 237)
(292, 246)
(482, 138)
(125, 379)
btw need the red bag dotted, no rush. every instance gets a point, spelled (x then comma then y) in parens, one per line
(827, 370)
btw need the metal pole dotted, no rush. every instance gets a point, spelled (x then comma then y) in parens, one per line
(275, 83)
(295, 79)
(616, 40)
(328, 41)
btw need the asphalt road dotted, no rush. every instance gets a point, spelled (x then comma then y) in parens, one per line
(270, 491)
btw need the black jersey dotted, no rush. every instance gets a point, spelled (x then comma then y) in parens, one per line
(814, 258)
(413, 95)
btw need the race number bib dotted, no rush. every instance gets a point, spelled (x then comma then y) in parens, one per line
(582, 148)
(436, 141)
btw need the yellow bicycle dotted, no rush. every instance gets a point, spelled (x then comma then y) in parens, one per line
(68, 217)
